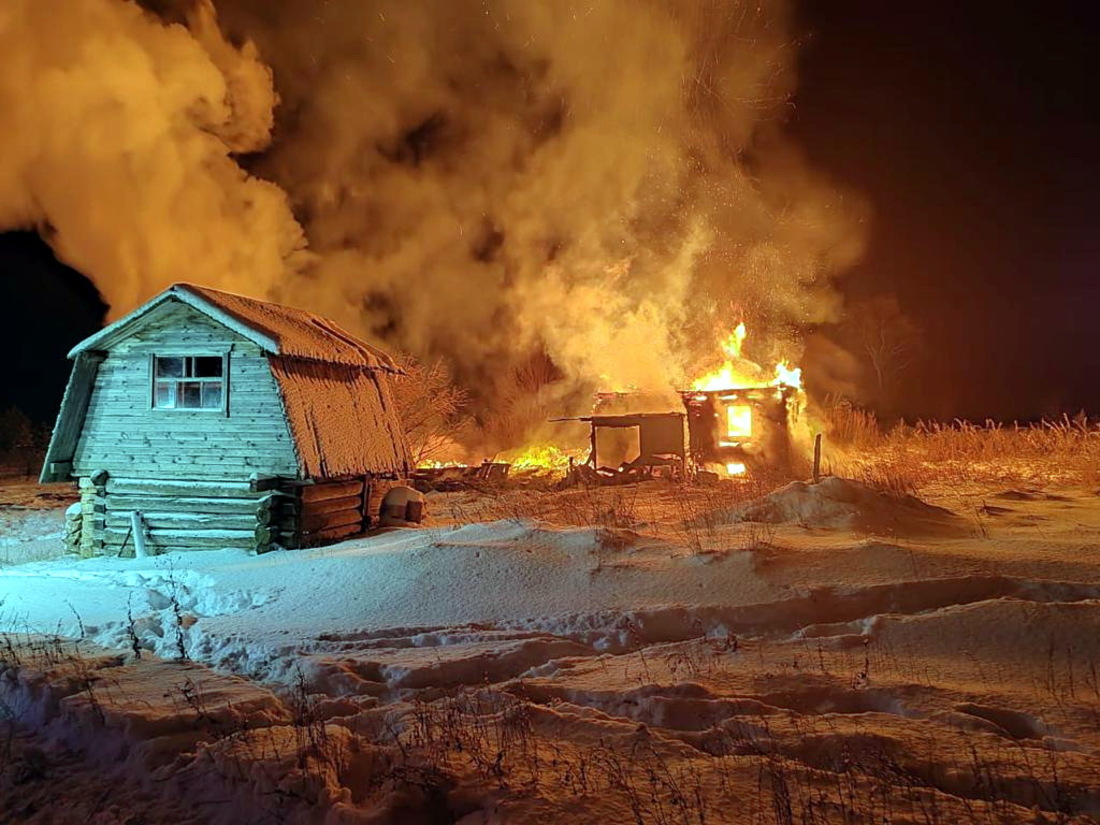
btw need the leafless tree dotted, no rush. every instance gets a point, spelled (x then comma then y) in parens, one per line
(888, 339)
(432, 409)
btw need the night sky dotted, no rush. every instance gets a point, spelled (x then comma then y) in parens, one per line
(972, 133)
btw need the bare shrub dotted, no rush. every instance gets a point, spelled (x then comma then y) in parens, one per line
(703, 519)
(430, 407)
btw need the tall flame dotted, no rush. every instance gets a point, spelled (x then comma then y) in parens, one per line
(738, 371)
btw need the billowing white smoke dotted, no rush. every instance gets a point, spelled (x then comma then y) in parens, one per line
(602, 185)
(116, 140)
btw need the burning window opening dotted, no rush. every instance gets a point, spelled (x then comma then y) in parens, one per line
(738, 425)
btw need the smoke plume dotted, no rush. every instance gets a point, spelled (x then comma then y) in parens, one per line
(117, 142)
(600, 190)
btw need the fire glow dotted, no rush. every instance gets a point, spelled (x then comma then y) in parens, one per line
(542, 457)
(737, 371)
(738, 422)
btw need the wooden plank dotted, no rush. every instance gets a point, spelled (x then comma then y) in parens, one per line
(317, 523)
(190, 504)
(194, 441)
(141, 429)
(180, 487)
(112, 547)
(331, 505)
(70, 421)
(168, 540)
(155, 520)
(173, 454)
(331, 490)
(336, 534)
(181, 454)
(206, 467)
(148, 421)
(196, 455)
(212, 474)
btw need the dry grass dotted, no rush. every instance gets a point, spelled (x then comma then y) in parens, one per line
(747, 769)
(693, 515)
(907, 458)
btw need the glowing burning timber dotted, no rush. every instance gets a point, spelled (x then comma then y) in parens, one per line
(541, 457)
(738, 371)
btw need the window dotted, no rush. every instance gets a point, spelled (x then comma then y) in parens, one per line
(738, 425)
(191, 382)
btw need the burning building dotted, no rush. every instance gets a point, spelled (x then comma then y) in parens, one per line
(734, 421)
(733, 430)
(738, 419)
(658, 442)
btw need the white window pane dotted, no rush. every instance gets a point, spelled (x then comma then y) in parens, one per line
(212, 395)
(166, 394)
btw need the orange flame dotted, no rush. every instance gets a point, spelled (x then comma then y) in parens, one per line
(541, 457)
(738, 371)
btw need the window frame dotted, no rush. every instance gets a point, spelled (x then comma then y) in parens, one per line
(222, 408)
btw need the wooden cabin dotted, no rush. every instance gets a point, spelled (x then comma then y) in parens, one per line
(224, 421)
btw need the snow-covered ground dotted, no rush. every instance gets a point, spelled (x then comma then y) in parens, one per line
(824, 654)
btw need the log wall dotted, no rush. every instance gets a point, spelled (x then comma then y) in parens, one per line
(185, 515)
(187, 471)
(330, 511)
(92, 508)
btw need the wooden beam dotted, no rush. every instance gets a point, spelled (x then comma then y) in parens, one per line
(320, 522)
(332, 505)
(70, 419)
(332, 489)
(186, 521)
(189, 504)
(180, 487)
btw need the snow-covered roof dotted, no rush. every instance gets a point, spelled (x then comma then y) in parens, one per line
(277, 329)
(342, 419)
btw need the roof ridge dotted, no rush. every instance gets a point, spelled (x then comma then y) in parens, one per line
(279, 329)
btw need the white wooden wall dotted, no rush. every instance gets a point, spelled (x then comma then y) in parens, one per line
(125, 436)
